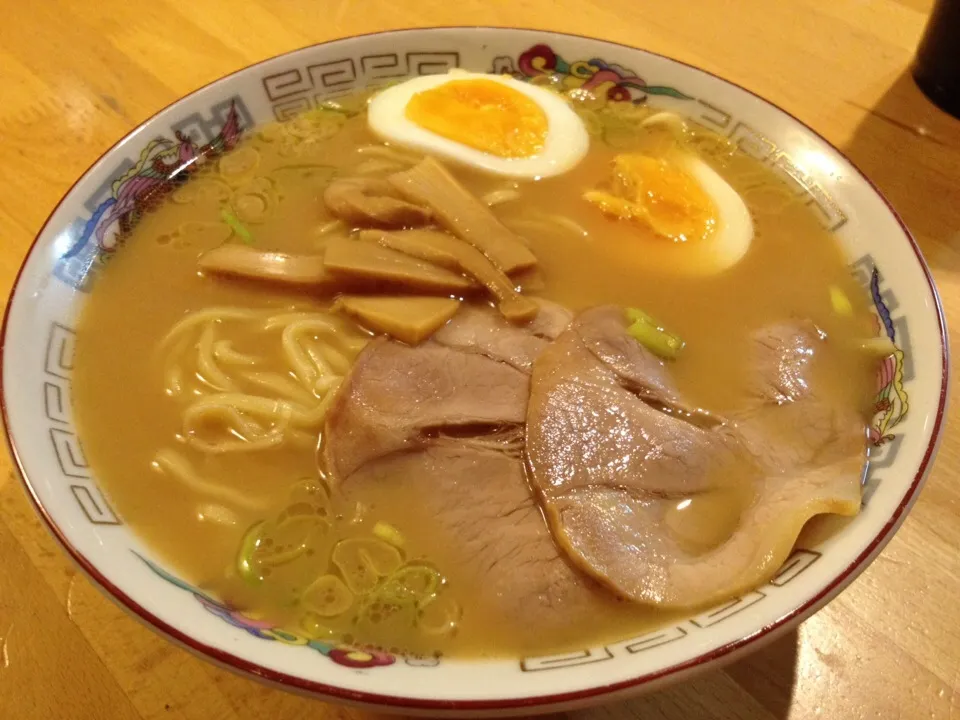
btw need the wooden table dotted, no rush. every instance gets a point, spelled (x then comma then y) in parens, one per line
(74, 77)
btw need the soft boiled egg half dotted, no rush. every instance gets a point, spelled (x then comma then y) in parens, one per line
(491, 122)
(697, 223)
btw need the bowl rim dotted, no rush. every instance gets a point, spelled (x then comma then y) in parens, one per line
(285, 680)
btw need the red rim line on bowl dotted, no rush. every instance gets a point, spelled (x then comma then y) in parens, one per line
(728, 651)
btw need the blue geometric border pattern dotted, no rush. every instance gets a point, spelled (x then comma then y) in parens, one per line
(299, 88)
(795, 566)
(56, 398)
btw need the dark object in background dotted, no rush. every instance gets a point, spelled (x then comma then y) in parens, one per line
(937, 65)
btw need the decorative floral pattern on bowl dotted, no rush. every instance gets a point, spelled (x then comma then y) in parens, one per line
(164, 165)
(346, 655)
(603, 79)
(892, 404)
(87, 228)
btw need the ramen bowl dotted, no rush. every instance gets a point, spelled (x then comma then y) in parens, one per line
(39, 339)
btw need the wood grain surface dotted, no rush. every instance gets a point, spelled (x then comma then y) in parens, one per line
(76, 76)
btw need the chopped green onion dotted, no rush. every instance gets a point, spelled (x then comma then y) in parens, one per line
(327, 596)
(332, 106)
(439, 616)
(412, 583)
(388, 533)
(649, 333)
(840, 302)
(655, 340)
(249, 545)
(879, 347)
(226, 214)
(635, 314)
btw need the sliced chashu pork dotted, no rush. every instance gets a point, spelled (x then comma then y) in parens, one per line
(398, 397)
(446, 423)
(612, 450)
(477, 330)
(604, 412)
(472, 374)
(474, 494)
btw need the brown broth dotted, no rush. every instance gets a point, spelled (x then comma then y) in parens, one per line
(152, 282)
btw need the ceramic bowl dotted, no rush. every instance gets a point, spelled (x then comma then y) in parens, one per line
(38, 344)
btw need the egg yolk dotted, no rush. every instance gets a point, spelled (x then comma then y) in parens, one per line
(483, 114)
(659, 194)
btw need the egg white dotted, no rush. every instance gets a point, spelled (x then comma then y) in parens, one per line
(731, 238)
(565, 145)
(719, 250)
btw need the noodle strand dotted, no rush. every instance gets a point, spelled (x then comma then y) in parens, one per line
(173, 464)
(232, 400)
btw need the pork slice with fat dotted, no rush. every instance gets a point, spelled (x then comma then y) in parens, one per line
(615, 453)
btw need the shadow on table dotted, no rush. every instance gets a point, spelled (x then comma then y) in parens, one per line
(758, 686)
(910, 149)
